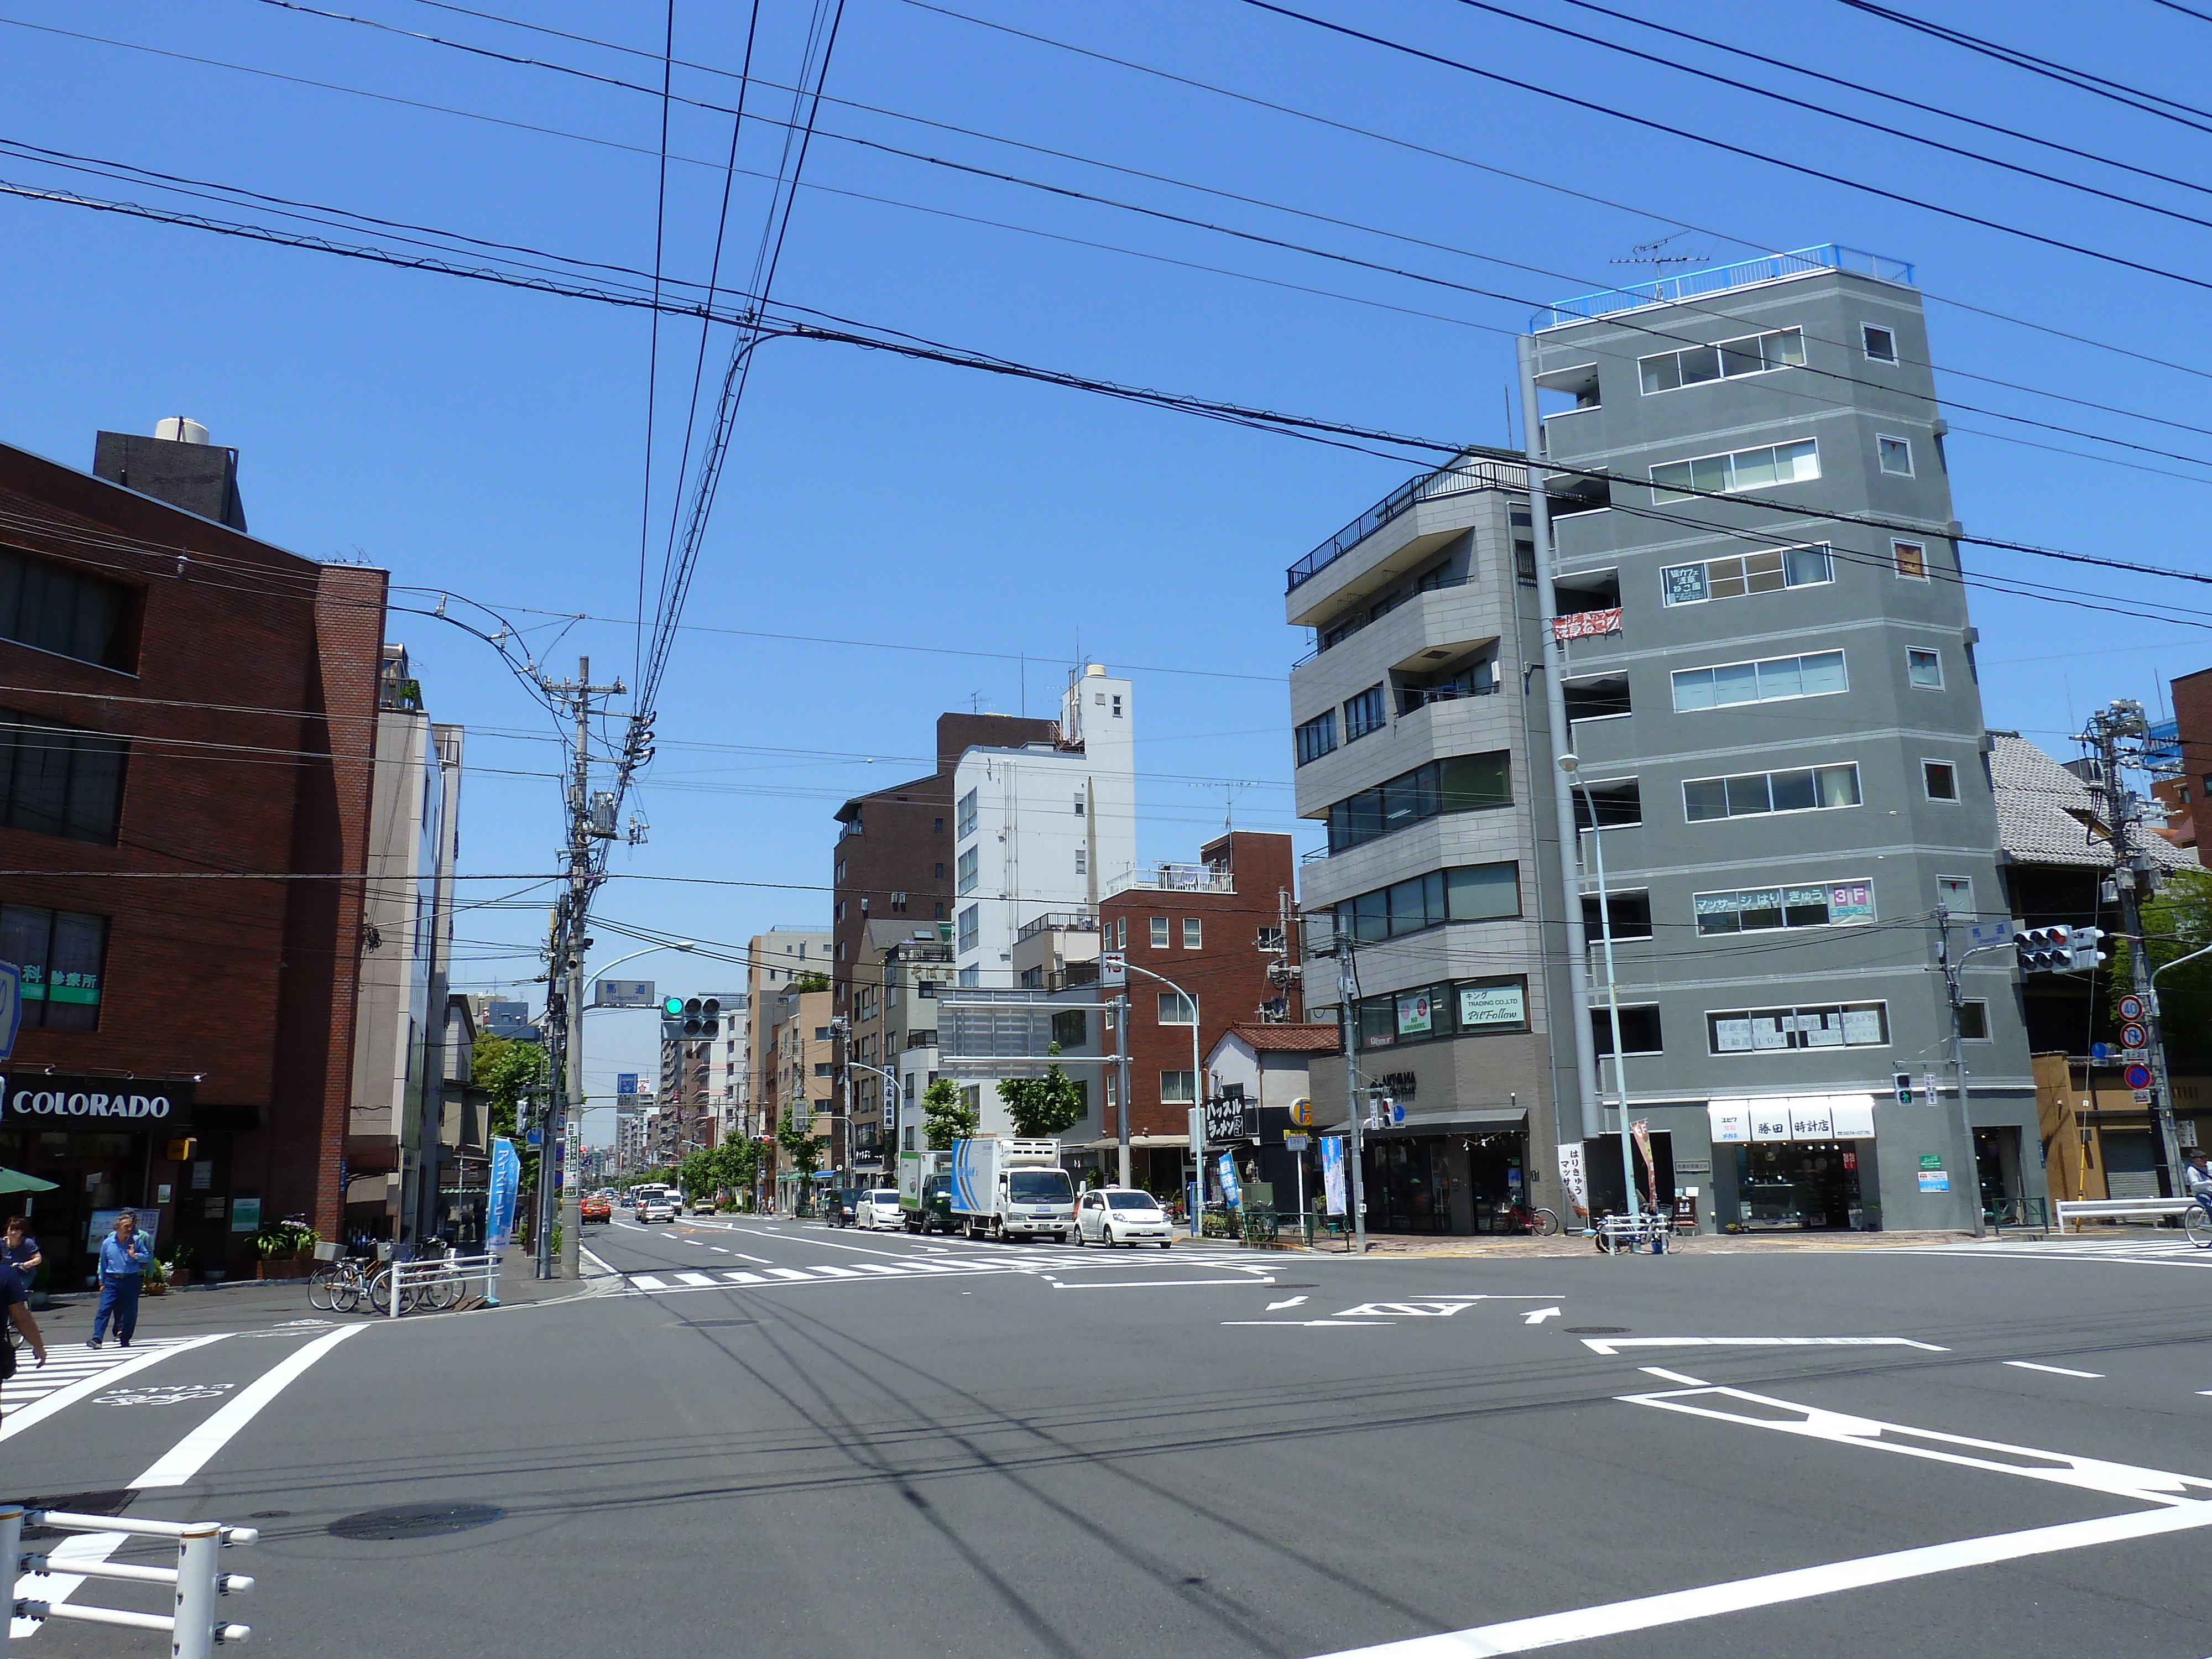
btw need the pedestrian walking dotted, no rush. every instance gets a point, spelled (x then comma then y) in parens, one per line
(124, 1255)
(16, 1305)
(21, 1250)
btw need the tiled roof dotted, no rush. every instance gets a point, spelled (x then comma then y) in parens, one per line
(2033, 826)
(1306, 1039)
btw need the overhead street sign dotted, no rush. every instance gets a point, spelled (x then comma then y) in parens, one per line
(1113, 968)
(622, 994)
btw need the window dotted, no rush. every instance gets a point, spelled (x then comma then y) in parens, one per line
(939, 870)
(1271, 938)
(1942, 779)
(939, 905)
(1746, 469)
(1974, 1021)
(1925, 669)
(1836, 1025)
(1082, 861)
(1639, 1029)
(1178, 1088)
(1881, 343)
(1160, 941)
(1618, 802)
(841, 909)
(1773, 679)
(1363, 713)
(1458, 783)
(1955, 893)
(1466, 1008)
(1480, 892)
(1071, 1029)
(51, 607)
(969, 862)
(1605, 698)
(937, 826)
(1896, 455)
(1317, 736)
(1910, 559)
(1629, 913)
(1725, 360)
(1176, 1009)
(1117, 707)
(824, 1068)
(57, 781)
(966, 823)
(1194, 934)
(1122, 933)
(971, 927)
(1767, 909)
(1751, 573)
(1802, 789)
(62, 955)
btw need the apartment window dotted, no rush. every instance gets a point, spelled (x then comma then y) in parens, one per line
(1122, 933)
(1769, 909)
(72, 613)
(55, 780)
(1910, 559)
(1751, 573)
(1618, 802)
(1605, 698)
(1176, 1009)
(969, 861)
(1458, 783)
(937, 826)
(1955, 893)
(1801, 789)
(1317, 736)
(1832, 1025)
(1479, 892)
(1629, 913)
(1466, 1008)
(1071, 1029)
(965, 823)
(1895, 453)
(1942, 779)
(1117, 707)
(1725, 360)
(1974, 1021)
(1925, 669)
(1772, 679)
(1363, 713)
(939, 870)
(1271, 938)
(1079, 805)
(1639, 1029)
(824, 1068)
(1160, 941)
(1082, 861)
(940, 904)
(971, 927)
(1881, 343)
(62, 955)
(1194, 934)
(1744, 469)
(1178, 1088)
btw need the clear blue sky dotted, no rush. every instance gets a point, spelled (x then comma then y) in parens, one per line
(493, 441)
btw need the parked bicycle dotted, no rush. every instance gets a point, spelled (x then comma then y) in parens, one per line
(337, 1285)
(2198, 1224)
(1521, 1219)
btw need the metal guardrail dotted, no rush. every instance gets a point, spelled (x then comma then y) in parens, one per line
(418, 1285)
(1719, 279)
(195, 1628)
(2072, 1210)
(1453, 479)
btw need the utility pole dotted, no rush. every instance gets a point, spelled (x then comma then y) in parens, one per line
(1348, 995)
(2123, 719)
(1971, 1173)
(1121, 1072)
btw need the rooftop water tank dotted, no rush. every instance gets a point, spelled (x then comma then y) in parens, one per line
(180, 429)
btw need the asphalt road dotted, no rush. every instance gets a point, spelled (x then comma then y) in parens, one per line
(773, 1439)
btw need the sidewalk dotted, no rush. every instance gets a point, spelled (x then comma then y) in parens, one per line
(1514, 1247)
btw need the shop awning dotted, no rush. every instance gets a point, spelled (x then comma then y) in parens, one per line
(1791, 1117)
(1499, 1120)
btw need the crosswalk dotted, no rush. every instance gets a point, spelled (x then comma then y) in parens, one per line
(665, 1280)
(74, 1364)
(2173, 1250)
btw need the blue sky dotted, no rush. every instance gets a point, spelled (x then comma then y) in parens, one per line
(492, 441)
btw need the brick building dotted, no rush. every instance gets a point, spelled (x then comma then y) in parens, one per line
(185, 757)
(2187, 745)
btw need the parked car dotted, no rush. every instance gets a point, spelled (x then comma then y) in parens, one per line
(880, 1207)
(1121, 1215)
(595, 1208)
(840, 1205)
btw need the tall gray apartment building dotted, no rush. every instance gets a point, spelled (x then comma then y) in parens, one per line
(1782, 741)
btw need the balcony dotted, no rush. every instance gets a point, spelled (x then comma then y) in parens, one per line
(1720, 279)
(1454, 478)
(1060, 922)
(1165, 878)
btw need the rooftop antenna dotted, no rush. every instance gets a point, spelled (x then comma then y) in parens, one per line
(1654, 255)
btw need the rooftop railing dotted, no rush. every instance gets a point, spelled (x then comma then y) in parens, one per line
(1720, 279)
(1165, 878)
(1453, 479)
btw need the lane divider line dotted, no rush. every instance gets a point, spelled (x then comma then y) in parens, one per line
(2055, 1370)
(189, 1455)
(61, 1398)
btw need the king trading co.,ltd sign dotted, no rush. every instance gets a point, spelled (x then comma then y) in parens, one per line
(54, 1101)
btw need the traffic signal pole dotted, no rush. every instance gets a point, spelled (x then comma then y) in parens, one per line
(1971, 1172)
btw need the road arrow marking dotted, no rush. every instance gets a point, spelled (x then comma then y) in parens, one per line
(1292, 1302)
(1537, 1317)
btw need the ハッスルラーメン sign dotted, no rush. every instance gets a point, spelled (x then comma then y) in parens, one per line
(59, 1101)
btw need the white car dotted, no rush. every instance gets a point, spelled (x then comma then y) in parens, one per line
(878, 1207)
(1121, 1215)
(654, 1210)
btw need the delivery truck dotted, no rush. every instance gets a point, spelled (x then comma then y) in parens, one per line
(925, 1189)
(1007, 1189)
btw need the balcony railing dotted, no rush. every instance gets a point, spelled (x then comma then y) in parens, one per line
(1720, 279)
(1063, 921)
(921, 1039)
(1454, 478)
(1165, 878)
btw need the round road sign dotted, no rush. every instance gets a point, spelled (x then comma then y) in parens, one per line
(2133, 1036)
(2131, 1008)
(2137, 1077)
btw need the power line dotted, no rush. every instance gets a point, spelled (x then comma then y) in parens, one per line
(653, 349)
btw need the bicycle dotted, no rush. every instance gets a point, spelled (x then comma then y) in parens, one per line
(1521, 1218)
(338, 1286)
(2198, 1224)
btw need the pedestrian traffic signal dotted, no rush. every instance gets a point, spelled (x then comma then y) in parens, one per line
(1902, 1081)
(2045, 950)
(2082, 953)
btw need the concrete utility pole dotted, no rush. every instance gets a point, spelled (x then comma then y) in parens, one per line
(1972, 1173)
(1347, 996)
(1570, 774)
(2124, 719)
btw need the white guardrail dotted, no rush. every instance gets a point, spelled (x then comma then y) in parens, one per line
(195, 1627)
(2120, 1209)
(439, 1284)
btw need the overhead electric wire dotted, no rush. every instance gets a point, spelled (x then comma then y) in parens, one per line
(652, 348)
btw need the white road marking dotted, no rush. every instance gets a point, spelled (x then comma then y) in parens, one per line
(87, 1381)
(1151, 1284)
(647, 1282)
(1537, 1317)
(592, 1262)
(1292, 1302)
(742, 1256)
(788, 1272)
(741, 1276)
(723, 1251)
(1775, 1589)
(2056, 1370)
(837, 1273)
(89, 1547)
(1673, 1377)
(1613, 1345)
(693, 1279)
(189, 1455)
(880, 1267)
(1304, 1324)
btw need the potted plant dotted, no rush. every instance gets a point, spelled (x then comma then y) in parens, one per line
(282, 1247)
(174, 1264)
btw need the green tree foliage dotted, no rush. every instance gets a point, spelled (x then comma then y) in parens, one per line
(1042, 1105)
(2177, 920)
(945, 1117)
(796, 1136)
(809, 982)
(506, 1070)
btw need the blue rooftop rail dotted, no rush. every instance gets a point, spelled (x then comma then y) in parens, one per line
(1453, 479)
(1720, 279)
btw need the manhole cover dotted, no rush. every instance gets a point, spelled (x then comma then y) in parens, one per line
(78, 1502)
(413, 1520)
(1596, 1330)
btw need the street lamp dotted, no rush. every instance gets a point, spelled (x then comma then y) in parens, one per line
(1570, 765)
(1197, 1097)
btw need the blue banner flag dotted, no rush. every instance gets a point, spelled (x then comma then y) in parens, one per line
(1332, 1172)
(1230, 1190)
(506, 1180)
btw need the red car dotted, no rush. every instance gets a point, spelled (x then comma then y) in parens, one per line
(596, 1209)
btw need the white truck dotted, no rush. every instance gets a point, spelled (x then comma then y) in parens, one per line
(1007, 1189)
(925, 1182)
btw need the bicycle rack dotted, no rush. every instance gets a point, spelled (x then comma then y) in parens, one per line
(194, 1628)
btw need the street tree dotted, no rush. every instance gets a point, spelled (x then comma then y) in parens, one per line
(2176, 921)
(946, 1117)
(1042, 1105)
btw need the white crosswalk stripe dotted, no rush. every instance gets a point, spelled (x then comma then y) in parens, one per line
(913, 1268)
(68, 1363)
(2175, 1251)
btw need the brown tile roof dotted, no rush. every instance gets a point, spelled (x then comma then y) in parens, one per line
(1308, 1039)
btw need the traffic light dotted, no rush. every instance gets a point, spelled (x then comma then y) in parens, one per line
(1902, 1082)
(2045, 950)
(671, 1020)
(2082, 953)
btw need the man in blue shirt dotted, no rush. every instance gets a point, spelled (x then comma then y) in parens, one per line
(124, 1255)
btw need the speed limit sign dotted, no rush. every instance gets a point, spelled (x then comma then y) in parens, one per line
(2131, 1008)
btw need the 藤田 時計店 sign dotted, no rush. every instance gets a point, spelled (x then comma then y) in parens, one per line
(43, 1100)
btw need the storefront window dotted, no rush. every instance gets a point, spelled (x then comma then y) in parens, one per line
(1803, 1184)
(62, 955)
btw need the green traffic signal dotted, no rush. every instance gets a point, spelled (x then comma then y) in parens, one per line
(672, 1007)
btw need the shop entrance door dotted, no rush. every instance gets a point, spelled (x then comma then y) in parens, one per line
(1996, 1165)
(1813, 1185)
(1408, 1185)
